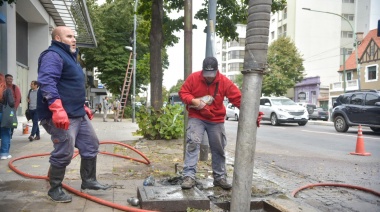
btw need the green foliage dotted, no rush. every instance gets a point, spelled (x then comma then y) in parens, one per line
(232, 12)
(113, 26)
(176, 87)
(286, 67)
(166, 123)
(9, 2)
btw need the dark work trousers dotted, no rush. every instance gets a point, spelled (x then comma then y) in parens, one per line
(35, 128)
(80, 134)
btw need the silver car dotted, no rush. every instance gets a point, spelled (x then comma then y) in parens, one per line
(280, 110)
(232, 112)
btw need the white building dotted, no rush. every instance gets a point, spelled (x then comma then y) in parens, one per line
(25, 31)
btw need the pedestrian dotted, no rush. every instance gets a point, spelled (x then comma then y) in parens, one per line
(64, 115)
(32, 105)
(100, 108)
(105, 108)
(16, 93)
(116, 110)
(203, 93)
(6, 96)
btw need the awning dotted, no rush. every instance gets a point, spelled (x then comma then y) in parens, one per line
(74, 14)
(99, 91)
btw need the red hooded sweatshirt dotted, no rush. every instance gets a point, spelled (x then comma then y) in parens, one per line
(195, 86)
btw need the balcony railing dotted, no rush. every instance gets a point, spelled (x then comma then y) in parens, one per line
(350, 85)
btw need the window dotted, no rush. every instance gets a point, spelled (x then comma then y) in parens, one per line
(235, 67)
(224, 68)
(348, 1)
(371, 99)
(233, 43)
(241, 41)
(348, 51)
(349, 75)
(279, 32)
(349, 17)
(357, 99)
(237, 54)
(285, 12)
(347, 34)
(372, 73)
(284, 30)
(272, 35)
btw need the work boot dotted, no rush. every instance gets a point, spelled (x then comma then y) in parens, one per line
(37, 137)
(55, 179)
(223, 184)
(30, 138)
(88, 175)
(188, 183)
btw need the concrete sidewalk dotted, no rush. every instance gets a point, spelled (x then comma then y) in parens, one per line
(19, 193)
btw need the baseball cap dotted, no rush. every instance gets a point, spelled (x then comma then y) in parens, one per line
(210, 67)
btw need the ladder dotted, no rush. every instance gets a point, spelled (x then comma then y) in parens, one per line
(125, 89)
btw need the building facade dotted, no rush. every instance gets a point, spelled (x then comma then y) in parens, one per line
(25, 31)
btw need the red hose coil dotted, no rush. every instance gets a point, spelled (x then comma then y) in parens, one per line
(79, 193)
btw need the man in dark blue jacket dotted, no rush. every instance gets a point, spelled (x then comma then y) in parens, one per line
(63, 114)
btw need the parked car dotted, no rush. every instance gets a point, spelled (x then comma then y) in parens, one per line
(309, 107)
(357, 107)
(280, 110)
(319, 114)
(232, 112)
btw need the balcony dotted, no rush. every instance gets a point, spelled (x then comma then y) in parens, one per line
(350, 85)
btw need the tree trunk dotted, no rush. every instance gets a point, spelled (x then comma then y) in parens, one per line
(156, 40)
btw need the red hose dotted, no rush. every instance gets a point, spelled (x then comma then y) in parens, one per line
(79, 193)
(336, 185)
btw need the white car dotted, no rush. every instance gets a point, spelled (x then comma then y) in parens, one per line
(280, 110)
(232, 112)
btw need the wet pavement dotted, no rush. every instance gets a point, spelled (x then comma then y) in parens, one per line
(27, 191)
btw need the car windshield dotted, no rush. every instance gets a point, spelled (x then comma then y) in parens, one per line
(283, 102)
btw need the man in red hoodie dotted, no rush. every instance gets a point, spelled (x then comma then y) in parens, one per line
(203, 93)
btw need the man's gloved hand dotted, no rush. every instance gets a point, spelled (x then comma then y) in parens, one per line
(89, 112)
(60, 118)
(205, 111)
(259, 118)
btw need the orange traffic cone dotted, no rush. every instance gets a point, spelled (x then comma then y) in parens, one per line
(360, 150)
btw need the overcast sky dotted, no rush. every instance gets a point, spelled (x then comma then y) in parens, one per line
(175, 70)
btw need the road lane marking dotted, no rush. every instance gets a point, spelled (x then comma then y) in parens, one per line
(337, 134)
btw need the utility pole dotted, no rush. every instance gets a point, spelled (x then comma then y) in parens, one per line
(255, 64)
(210, 52)
(188, 55)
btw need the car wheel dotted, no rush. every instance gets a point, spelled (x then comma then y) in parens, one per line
(274, 120)
(340, 124)
(375, 129)
(236, 117)
(302, 123)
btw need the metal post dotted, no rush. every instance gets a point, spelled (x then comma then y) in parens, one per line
(355, 40)
(188, 56)
(255, 63)
(344, 70)
(134, 64)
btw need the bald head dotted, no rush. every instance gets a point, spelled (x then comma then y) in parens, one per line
(65, 35)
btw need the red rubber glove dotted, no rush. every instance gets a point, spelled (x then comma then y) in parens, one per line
(60, 118)
(259, 118)
(205, 111)
(89, 112)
